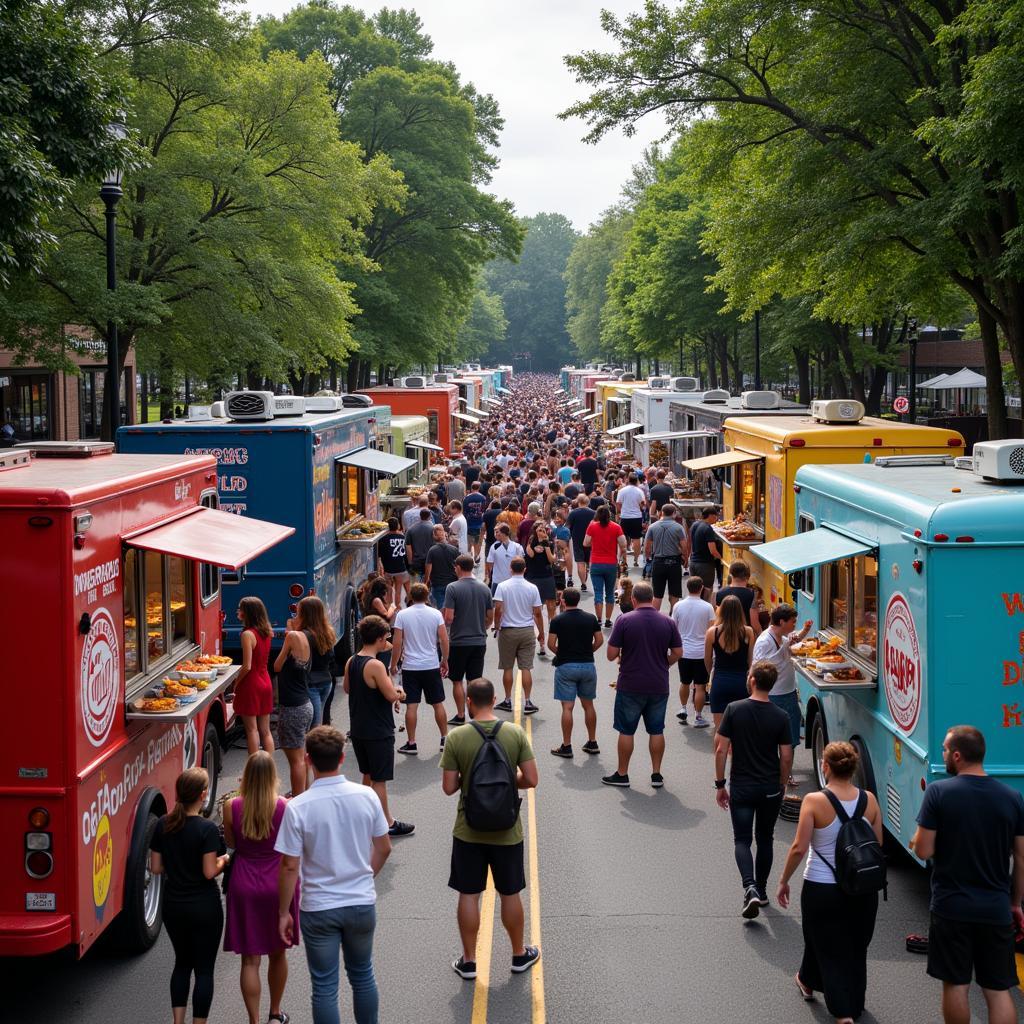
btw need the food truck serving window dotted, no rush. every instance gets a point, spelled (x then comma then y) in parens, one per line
(349, 494)
(851, 603)
(209, 575)
(751, 491)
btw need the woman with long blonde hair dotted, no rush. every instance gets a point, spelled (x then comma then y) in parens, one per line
(251, 824)
(311, 619)
(728, 648)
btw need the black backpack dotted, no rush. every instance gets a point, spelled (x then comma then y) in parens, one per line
(491, 801)
(860, 863)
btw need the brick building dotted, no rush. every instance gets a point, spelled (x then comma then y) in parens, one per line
(39, 404)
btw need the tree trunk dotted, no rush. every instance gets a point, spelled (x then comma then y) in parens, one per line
(364, 373)
(166, 385)
(998, 425)
(803, 371)
(709, 353)
(144, 399)
(252, 379)
(722, 351)
(334, 374)
(352, 374)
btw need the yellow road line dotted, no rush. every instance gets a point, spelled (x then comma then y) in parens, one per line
(537, 981)
(483, 954)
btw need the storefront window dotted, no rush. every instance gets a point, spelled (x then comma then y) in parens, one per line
(807, 523)
(751, 496)
(209, 579)
(432, 426)
(177, 581)
(349, 497)
(154, 597)
(852, 606)
(132, 659)
(25, 401)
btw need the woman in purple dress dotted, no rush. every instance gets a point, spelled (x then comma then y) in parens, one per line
(251, 823)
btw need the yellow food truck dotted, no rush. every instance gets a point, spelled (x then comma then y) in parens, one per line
(758, 467)
(408, 436)
(613, 400)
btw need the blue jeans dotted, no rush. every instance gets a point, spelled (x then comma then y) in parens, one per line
(349, 929)
(437, 596)
(318, 693)
(790, 703)
(603, 575)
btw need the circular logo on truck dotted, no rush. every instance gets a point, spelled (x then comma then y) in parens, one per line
(901, 667)
(100, 678)
(102, 862)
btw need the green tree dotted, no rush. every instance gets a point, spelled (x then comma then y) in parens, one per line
(533, 293)
(485, 327)
(872, 103)
(55, 105)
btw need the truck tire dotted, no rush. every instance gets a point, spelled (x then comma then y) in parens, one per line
(865, 775)
(138, 925)
(211, 759)
(819, 740)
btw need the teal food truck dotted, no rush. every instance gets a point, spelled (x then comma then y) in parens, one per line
(912, 570)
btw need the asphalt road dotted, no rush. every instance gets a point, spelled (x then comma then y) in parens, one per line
(634, 902)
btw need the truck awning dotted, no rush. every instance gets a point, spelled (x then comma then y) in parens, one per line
(503, 391)
(589, 416)
(477, 412)
(492, 401)
(624, 429)
(814, 547)
(209, 535)
(732, 458)
(466, 419)
(378, 462)
(669, 435)
(620, 400)
(425, 445)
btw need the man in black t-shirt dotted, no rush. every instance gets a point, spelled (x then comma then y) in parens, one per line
(579, 519)
(971, 826)
(440, 567)
(660, 492)
(391, 561)
(573, 636)
(739, 587)
(587, 468)
(705, 549)
(758, 736)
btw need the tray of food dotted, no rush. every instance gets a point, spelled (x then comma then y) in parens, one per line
(738, 530)
(196, 670)
(156, 705)
(822, 663)
(221, 662)
(175, 688)
(845, 675)
(812, 647)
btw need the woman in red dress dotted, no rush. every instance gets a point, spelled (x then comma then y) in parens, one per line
(254, 692)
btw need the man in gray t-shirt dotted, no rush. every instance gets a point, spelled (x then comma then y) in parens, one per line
(419, 539)
(667, 547)
(468, 614)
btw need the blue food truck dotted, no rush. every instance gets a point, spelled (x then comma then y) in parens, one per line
(912, 570)
(315, 471)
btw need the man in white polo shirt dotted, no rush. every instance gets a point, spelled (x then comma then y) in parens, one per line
(499, 558)
(517, 610)
(335, 836)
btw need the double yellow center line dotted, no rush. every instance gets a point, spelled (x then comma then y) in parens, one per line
(485, 939)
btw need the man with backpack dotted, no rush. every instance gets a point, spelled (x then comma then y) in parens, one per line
(757, 734)
(487, 762)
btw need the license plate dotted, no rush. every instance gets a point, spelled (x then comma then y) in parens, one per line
(40, 901)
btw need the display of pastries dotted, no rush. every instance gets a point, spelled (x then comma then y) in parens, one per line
(172, 688)
(157, 705)
(844, 675)
(213, 659)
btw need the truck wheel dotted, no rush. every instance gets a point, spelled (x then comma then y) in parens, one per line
(819, 741)
(211, 762)
(141, 918)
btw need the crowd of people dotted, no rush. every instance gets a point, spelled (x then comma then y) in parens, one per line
(502, 551)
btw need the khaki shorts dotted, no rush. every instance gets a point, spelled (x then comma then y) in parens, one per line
(517, 646)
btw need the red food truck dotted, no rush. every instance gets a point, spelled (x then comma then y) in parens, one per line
(420, 396)
(110, 581)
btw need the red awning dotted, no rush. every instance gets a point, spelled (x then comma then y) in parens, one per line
(209, 535)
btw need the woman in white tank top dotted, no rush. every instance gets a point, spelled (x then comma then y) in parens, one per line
(837, 928)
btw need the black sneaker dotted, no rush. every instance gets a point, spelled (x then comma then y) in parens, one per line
(583, 587)
(401, 828)
(526, 961)
(457, 720)
(408, 748)
(541, 653)
(657, 781)
(568, 582)
(615, 779)
(503, 705)
(464, 968)
(443, 738)
(762, 895)
(562, 751)
(751, 904)
(607, 623)
(591, 747)
(529, 708)
(682, 718)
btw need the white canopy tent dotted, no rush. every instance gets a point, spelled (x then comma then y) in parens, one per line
(932, 382)
(964, 378)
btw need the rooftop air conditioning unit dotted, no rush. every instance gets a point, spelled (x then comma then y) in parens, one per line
(289, 405)
(837, 410)
(627, 376)
(249, 405)
(716, 396)
(658, 382)
(200, 412)
(440, 378)
(963, 462)
(414, 382)
(760, 400)
(324, 403)
(685, 384)
(217, 411)
(355, 401)
(1000, 460)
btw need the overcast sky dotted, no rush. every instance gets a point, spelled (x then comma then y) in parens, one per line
(513, 50)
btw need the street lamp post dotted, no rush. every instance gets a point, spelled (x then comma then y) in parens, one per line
(110, 193)
(757, 350)
(912, 383)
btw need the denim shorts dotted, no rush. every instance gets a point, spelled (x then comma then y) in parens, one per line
(576, 679)
(631, 707)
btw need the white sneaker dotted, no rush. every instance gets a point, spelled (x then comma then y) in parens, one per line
(700, 722)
